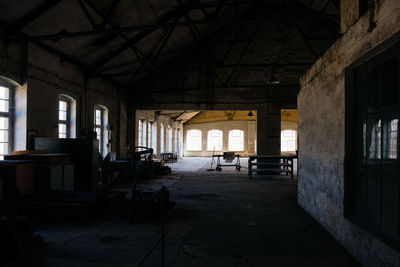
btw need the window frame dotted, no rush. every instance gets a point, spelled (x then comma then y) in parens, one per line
(175, 140)
(221, 140)
(150, 134)
(162, 138)
(9, 115)
(294, 135)
(169, 139)
(67, 121)
(378, 57)
(200, 144)
(229, 140)
(101, 127)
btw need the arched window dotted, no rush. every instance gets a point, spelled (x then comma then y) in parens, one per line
(193, 140)
(169, 139)
(154, 137)
(214, 140)
(149, 134)
(161, 138)
(100, 127)
(142, 141)
(5, 120)
(176, 140)
(13, 132)
(66, 117)
(236, 140)
(288, 140)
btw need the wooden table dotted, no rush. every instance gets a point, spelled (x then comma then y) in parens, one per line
(274, 164)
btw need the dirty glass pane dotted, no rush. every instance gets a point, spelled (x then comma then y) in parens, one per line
(3, 123)
(214, 140)
(3, 136)
(62, 115)
(62, 130)
(236, 140)
(374, 147)
(4, 106)
(4, 93)
(3, 148)
(193, 141)
(62, 105)
(98, 133)
(390, 133)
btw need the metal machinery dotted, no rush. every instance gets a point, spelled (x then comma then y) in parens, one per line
(146, 205)
(228, 157)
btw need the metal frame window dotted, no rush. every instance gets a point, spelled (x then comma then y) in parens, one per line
(236, 140)
(6, 118)
(288, 140)
(214, 140)
(99, 127)
(372, 169)
(193, 140)
(64, 117)
(169, 139)
(176, 140)
(150, 134)
(142, 141)
(161, 138)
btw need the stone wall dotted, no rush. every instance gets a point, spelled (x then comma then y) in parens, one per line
(321, 106)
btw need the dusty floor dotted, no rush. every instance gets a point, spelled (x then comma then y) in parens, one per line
(194, 164)
(221, 219)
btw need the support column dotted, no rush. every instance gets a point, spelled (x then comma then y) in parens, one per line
(274, 129)
(262, 130)
(268, 131)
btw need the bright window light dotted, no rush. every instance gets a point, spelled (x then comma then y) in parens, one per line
(214, 140)
(288, 141)
(236, 140)
(193, 140)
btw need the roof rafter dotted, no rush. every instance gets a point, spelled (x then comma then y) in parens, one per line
(162, 20)
(62, 56)
(35, 13)
(159, 25)
(191, 68)
(110, 11)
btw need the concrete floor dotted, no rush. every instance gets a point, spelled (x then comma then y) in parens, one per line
(201, 164)
(221, 219)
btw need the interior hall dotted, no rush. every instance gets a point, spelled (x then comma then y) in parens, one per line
(199, 133)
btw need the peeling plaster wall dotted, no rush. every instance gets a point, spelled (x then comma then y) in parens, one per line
(321, 106)
(45, 76)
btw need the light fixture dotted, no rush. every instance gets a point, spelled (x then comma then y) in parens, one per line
(273, 80)
(250, 114)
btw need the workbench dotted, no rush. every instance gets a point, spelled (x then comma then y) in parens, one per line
(228, 158)
(271, 164)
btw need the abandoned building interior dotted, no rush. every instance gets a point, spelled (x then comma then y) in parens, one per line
(199, 133)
